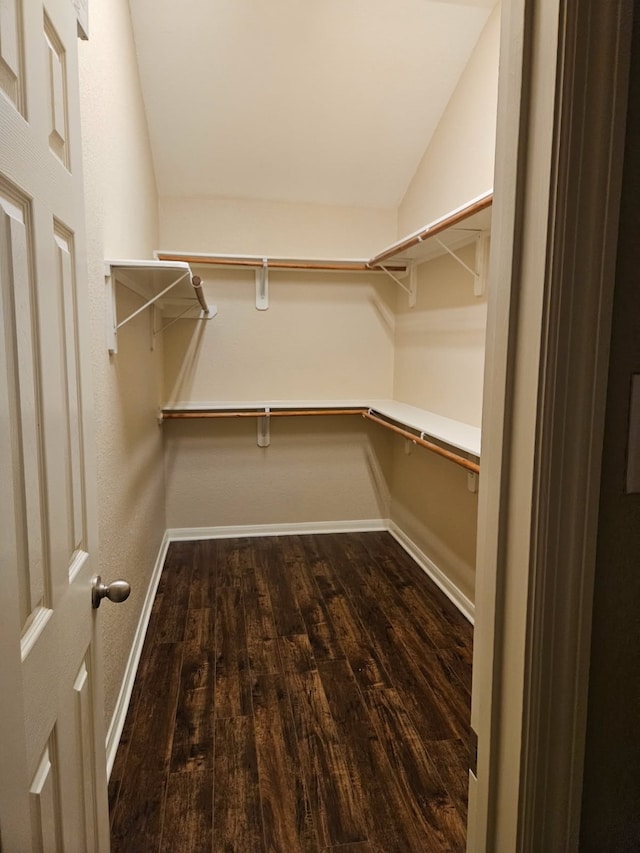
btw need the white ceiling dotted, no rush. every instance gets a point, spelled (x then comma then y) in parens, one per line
(322, 101)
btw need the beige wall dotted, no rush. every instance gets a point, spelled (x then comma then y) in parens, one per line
(121, 206)
(246, 227)
(458, 163)
(316, 469)
(439, 344)
(439, 364)
(324, 337)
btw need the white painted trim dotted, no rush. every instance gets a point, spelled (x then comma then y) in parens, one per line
(464, 604)
(177, 534)
(120, 712)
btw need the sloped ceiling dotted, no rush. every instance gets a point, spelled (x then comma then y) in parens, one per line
(318, 101)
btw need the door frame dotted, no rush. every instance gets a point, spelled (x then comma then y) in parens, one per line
(559, 152)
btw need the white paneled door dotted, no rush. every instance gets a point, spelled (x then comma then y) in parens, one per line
(52, 763)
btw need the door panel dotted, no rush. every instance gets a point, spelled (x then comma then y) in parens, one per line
(52, 763)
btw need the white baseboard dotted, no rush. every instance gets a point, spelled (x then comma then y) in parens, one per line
(464, 605)
(177, 534)
(120, 711)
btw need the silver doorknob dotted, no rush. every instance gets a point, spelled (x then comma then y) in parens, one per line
(116, 591)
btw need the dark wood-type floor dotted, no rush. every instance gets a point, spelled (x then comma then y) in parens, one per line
(302, 693)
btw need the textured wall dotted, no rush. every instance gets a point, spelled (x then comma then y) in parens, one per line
(316, 469)
(238, 226)
(458, 162)
(439, 344)
(324, 337)
(121, 208)
(439, 364)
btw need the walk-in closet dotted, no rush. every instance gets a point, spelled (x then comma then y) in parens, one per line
(313, 385)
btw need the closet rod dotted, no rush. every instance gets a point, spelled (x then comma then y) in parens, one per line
(169, 414)
(435, 448)
(433, 229)
(272, 413)
(257, 263)
(196, 283)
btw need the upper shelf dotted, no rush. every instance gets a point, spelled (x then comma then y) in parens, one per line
(450, 232)
(159, 283)
(457, 228)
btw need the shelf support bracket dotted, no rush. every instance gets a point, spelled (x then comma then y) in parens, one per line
(481, 271)
(262, 286)
(111, 315)
(482, 264)
(264, 429)
(412, 288)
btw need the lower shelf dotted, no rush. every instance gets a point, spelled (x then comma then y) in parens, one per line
(440, 435)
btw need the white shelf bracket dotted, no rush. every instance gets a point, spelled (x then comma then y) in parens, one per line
(412, 288)
(413, 285)
(472, 482)
(482, 264)
(111, 316)
(126, 277)
(264, 429)
(481, 271)
(262, 286)
(454, 256)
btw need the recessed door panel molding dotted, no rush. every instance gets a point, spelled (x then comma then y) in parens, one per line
(64, 267)
(56, 69)
(84, 737)
(11, 66)
(18, 298)
(46, 831)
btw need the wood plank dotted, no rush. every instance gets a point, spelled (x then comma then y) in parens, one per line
(320, 628)
(237, 822)
(171, 622)
(193, 731)
(188, 813)
(262, 645)
(377, 566)
(202, 592)
(175, 580)
(362, 847)
(390, 823)
(451, 757)
(137, 820)
(152, 735)
(286, 811)
(334, 802)
(422, 788)
(234, 558)
(425, 708)
(232, 676)
(286, 613)
(352, 635)
(295, 653)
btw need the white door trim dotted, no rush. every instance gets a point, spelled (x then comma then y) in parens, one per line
(559, 156)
